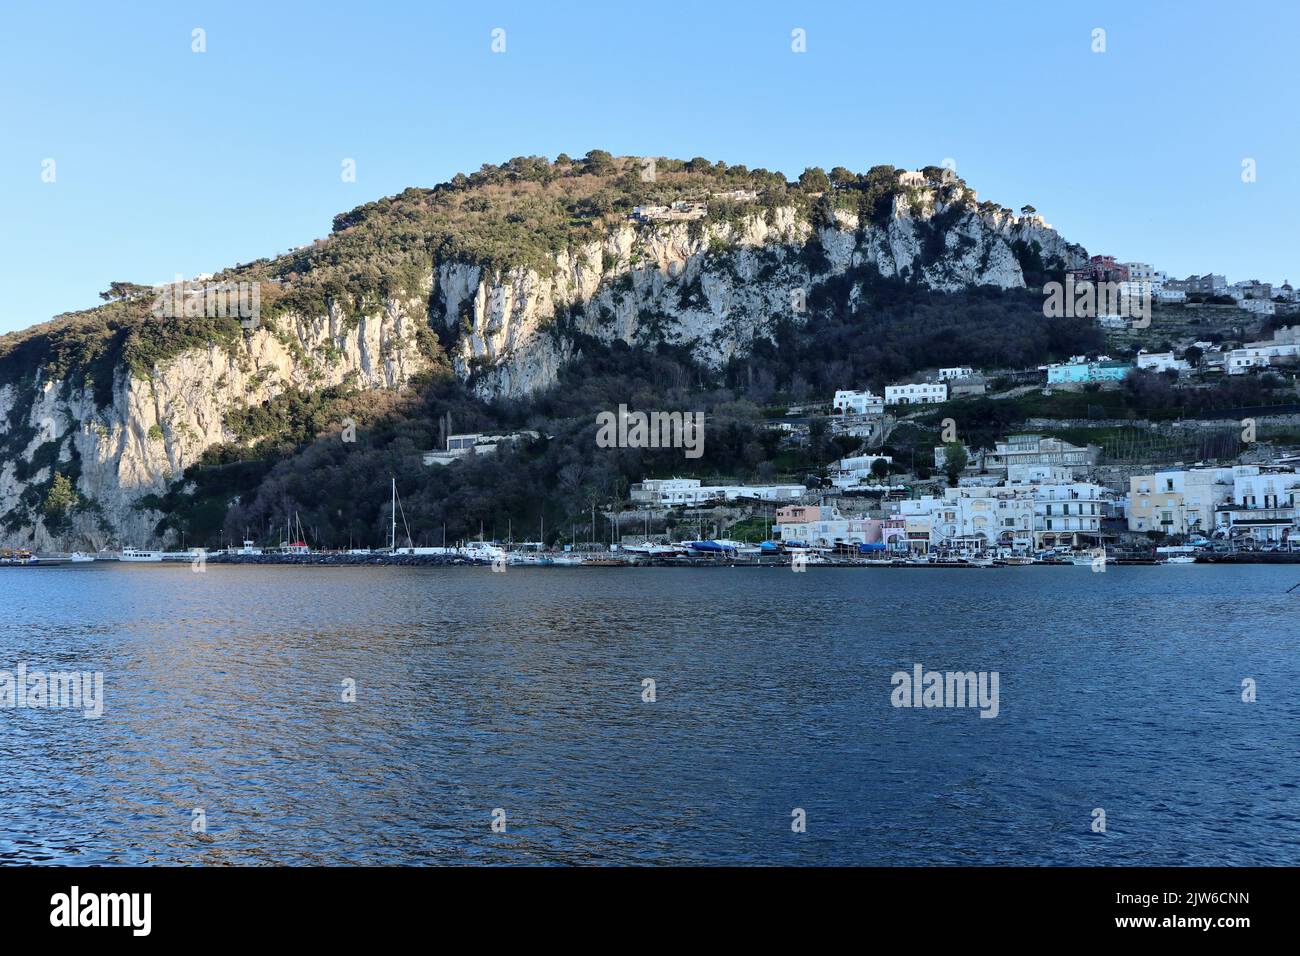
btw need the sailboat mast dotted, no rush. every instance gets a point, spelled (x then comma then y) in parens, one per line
(392, 535)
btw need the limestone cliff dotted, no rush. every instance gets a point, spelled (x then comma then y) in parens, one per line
(155, 427)
(716, 287)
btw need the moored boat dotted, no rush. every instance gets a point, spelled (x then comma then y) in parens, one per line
(137, 555)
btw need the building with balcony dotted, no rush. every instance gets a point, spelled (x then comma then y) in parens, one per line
(848, 402)
(1101, 269)
(1179, 502)
(1161, 362)
(1033, 449)
(822, 526)
(1263, 507)
(921, 393)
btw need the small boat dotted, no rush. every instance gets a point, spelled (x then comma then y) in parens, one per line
(1180, 559)
(1083, 558)
(80, 557)
(805, 557)
(19, 557)
(527, 558)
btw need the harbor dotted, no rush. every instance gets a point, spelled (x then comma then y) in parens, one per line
(686, 554)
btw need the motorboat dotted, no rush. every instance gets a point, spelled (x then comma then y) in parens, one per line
(138, 555)
(484, 551)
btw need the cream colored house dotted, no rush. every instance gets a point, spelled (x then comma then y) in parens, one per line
(1178, 502)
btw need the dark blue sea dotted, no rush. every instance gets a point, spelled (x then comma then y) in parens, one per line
(522, 694)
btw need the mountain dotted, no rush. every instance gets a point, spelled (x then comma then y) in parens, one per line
(484, 291)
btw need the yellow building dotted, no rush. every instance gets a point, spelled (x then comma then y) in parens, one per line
(1178, 502)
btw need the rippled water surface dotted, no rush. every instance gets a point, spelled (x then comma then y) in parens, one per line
(523, 691)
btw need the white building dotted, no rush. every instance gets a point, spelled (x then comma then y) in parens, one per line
(971, 518)
(823, 526)
(1144, 273)
(1161, 362)
(960, 371)
(1050, 514)
(1258, 306)
(922, 393)
(1284, 347)
(1033, 449)
(850, 402)
(1250, 289)
(1263, 507)
(688, 492)
(853, 472)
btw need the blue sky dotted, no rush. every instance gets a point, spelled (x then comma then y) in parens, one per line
(169, 161)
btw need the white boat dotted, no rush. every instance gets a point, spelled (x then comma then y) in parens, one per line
(139, 554)
(529, 558)
(80, 557)
(648, 549)
(482, 551)
(1180, 559)
(806, 556)
(1081, 558)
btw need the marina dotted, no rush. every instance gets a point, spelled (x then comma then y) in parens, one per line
(688, 554)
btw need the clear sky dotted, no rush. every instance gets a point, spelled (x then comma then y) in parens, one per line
(169, 161)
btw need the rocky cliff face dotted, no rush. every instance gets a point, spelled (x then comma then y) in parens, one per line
(714, 286)
(156, 427)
